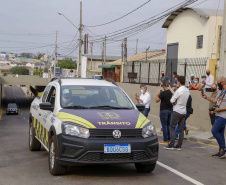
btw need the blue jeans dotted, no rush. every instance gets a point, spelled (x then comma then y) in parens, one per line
(165, 117)
(145, 112)
(176, 129)
(218, 131)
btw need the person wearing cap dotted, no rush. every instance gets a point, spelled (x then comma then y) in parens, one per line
(209, 81)
(191, 81)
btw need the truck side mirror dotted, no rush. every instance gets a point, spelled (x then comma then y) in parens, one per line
(46, 106)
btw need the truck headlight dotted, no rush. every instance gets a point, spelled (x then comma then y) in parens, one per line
(149, 130)
(73, 130)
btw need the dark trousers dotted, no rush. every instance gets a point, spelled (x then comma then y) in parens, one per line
(179, 119)
(218, 131)
(165, 117)
(145, 112)
(185, 125)
(212, 118)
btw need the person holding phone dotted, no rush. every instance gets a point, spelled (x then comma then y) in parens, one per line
(144, 98)
(219, 109)
(166, 108)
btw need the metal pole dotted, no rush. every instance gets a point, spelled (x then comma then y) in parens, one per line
(54, 70)
(149, 68)
(159, 72)
(80, 43)
(91, 55)
(185, 69)
(105, 48)
(103, 54)
(48, 65)
(140, 73)
(121, 72)
(125, 50)
(133, 72)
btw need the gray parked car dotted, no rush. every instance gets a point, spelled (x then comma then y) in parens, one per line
(12, 108)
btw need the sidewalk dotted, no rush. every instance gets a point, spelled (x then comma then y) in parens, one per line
(197, 136)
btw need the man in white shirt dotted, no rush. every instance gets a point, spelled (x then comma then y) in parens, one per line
(145, 98)
(179, 101)
(209, 81)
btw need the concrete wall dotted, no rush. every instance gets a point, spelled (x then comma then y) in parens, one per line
(186, 27)
(24, 80)
(197, 121)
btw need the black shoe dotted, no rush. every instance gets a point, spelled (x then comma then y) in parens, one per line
(222, 154)
(212, 137)
(169, 147)
(177, 147)
(216, 155)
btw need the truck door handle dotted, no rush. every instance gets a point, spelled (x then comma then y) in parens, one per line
(39, 114)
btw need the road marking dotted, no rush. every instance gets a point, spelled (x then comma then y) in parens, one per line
(24, 117)
(179, 174)
(203, 144)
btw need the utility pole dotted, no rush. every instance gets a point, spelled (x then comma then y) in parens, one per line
(80, 43)
(91, 55)
(48, 65)
(105, 48)
(125, 50)
(54, 70)
(222, 64)
(121, 72)
(136, 46)
(103, 54)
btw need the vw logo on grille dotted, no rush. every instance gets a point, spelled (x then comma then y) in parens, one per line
(116, 134)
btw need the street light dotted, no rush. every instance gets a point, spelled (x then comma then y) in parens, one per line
(67, 19)
(80, 38)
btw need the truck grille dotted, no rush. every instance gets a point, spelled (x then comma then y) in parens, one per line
(107, 133)
(97, 156)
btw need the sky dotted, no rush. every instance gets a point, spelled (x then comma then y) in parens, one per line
(31, 25)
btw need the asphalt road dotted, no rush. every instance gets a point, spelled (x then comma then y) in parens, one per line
(19, 166)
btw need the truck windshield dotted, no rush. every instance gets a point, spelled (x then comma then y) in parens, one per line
(94, 97)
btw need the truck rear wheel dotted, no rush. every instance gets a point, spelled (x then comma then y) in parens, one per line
(145, 168)
(34, 144)
(54, 167)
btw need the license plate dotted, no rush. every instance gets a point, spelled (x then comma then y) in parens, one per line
(117, 148)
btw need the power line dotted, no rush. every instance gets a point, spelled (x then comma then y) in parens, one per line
(122, 16)
(143, 25)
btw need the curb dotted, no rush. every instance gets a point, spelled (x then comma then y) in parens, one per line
(196, 139)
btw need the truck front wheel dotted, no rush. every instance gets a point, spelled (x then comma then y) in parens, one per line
(54, 167)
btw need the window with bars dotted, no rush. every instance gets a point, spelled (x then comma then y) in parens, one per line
(199, 41)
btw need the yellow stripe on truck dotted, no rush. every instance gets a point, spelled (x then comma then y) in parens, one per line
(75, 119)
(142, 121)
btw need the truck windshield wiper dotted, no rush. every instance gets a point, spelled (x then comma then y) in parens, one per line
(76, 107)
(109, 107)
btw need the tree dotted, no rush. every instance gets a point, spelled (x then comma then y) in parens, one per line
(39, 55)
(68, 64)
(27, 55)
(19, 70)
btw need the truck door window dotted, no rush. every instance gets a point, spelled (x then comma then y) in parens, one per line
(45, 94)
(51, 96)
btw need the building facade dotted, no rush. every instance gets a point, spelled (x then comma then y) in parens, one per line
(194, 33)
